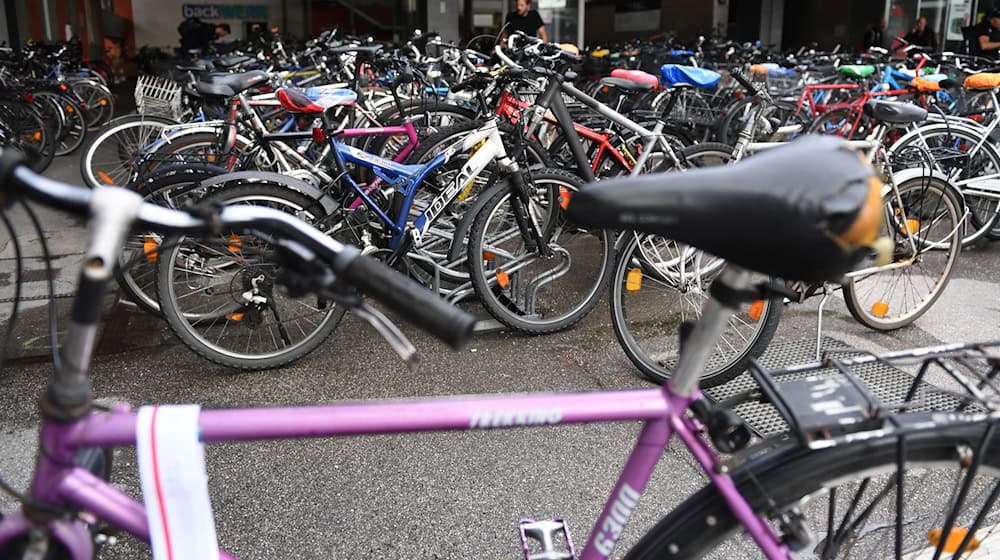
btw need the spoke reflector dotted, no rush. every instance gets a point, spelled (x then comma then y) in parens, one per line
(503, 279)
(564, 196)
(235, 316)
(488, 256)
(149, 246)
(105, 177)
(955, 538)
(235, 243)
(757, 309)
(913, 225)
(880, 309)
(633, 282)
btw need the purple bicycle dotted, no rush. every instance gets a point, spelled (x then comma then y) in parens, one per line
(853, 478)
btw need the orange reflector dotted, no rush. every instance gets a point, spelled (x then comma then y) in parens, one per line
(564, 196)
(102, 102)
(211, 158)
(633, 281)
(503, 279)
(757, 310)
(235, 316)
(913, 225)
(955, 538)
(235, 243)
(105, 177)
(149, 248)
(70, 109)
(880, 309)
(488, 256)
(37, 135)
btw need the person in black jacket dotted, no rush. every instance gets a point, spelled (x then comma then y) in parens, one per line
(873, 35)
(986, 36)
(526, 20)
(921, 35)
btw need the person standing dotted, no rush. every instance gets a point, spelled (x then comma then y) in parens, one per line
(987, 35)
(921, 35)
(873, 35)
(525, 20)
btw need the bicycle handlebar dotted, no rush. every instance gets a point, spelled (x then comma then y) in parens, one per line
(414, 302)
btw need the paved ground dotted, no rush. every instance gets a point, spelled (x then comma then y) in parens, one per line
(428, 496)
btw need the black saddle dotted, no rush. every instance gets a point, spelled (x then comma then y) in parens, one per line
(228, 85)
(228, 62)
(626, 85)
(360, 49)
(801, 212)
(197, 66)
(894, 112)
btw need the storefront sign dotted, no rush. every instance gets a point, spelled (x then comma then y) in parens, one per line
(959, 16)
(224, 11)
(551, 4)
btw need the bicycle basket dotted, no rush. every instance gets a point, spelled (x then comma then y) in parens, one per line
(158, 96)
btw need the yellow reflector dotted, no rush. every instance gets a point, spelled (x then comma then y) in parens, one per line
(633, 281)
(235, 243)
(149, 248)
(235, 316)
(503, 279)
(564, 196)
(102, 102)
(467, 190)
(955, 538)
(880, 309)
(757, 310)
(488, 256)
(105, 177)
(913, 225)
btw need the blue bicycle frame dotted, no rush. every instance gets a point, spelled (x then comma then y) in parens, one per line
(404, 178)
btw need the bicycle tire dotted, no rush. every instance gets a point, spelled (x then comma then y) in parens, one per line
(178, 319)
(868, 315)
(722, 366)
(503, 308)
(790, 474)
(113, 169)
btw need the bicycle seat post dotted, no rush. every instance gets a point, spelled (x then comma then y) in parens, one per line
(113, 211)
(700, 343)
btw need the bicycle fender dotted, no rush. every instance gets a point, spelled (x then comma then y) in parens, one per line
(72, 535)
(326, 201)
(901, 177)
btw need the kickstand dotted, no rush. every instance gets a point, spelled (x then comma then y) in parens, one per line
(819, 323)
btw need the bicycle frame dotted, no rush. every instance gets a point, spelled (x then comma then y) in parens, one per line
(57, 481)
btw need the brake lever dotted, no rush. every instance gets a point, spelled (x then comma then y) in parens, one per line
(390, 332)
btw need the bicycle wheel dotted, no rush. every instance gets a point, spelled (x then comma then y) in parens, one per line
(109, 158)
(657, 285)
(840, 122)
(961, 155)
(98, 103)
(29, 134)
(923, 223)
(171, 187)
(846, 496)
(218, 295)
(73, 131)
(528, 288)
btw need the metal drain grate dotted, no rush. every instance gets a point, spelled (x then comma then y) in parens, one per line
(889, 384)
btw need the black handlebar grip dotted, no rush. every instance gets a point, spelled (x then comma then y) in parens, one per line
(751, 89)
(414, 302)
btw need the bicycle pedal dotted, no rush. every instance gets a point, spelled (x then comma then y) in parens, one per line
(546, 539)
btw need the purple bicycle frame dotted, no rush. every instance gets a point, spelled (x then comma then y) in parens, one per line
(56, 481)
(413, 142)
